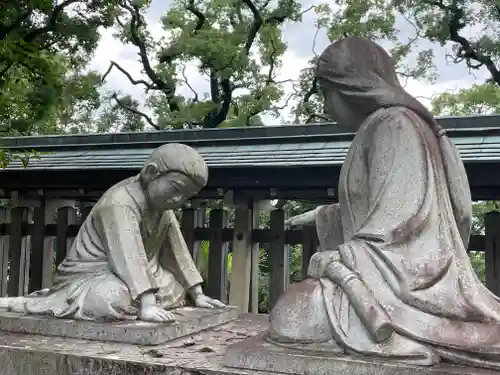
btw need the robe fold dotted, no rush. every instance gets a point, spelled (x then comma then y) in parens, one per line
(121, 251)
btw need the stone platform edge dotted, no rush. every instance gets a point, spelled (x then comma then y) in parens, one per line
(190, 321)
(259, 355)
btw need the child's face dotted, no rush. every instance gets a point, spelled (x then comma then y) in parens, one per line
(170, 191)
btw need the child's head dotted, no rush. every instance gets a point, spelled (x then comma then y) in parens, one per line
(172, 174)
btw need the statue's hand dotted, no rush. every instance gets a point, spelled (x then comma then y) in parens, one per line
(307, 218)
(155, 314)
(202, 300)
(319, 262)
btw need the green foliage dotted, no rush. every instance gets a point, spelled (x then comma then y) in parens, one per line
(442, 22)
(237, 44)
(40, 42)
(478, 100)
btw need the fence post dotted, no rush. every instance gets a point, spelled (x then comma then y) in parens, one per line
(255, 261)
(309, 247)
(187, 228)
(85, 209)
(278, 258)
(217, 257)
(40, 261)
(4, 249)
(492, 251)
(66, 216)
(239, 291)
(18, 253)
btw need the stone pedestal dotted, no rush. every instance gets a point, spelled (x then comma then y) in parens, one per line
(190, 320)
(201, 353)
(256, 354)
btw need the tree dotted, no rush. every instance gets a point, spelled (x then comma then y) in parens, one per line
(40, 42)
(236, 44)
(444, 22)
(477, 100)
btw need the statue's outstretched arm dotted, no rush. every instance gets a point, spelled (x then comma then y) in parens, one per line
(307, 218)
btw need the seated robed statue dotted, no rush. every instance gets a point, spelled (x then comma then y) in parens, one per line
(392, 279)
(129, 259)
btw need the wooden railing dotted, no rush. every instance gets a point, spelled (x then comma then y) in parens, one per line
(33, 243)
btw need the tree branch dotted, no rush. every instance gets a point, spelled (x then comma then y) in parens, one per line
(256, 25)
(136, 22)
(127, 74)
(136, 111)
(312, 91)
(272, 62)
(195, 99)
(466, 50)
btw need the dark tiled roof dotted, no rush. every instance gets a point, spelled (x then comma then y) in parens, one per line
(477, 139)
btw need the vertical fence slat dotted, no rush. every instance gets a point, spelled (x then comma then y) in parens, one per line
(278, 257)
(40, 259)
(4, 251)
(241, 267)
(84, 212)
(187, 228)
(215, 286)
(309, 247)
(492, 251)
(199, 222)
(66, 216)
(255, 260)
(18, 253)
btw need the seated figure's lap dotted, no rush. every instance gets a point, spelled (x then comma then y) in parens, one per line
(106, 296)
(300, 314)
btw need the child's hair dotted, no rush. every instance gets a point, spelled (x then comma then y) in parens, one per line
(177, 157)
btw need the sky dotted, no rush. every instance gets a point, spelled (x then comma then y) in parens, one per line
(299, 38)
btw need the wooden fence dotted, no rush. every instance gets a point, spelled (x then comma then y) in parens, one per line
(31, 244)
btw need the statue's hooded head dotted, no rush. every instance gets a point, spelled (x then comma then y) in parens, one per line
(172, 174)
(357, 77)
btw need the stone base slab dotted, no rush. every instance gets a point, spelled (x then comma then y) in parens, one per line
(259, 355)
(197, 354)
(190, 320)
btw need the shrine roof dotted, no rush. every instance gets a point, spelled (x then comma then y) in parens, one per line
(289, 162)
(477, 139)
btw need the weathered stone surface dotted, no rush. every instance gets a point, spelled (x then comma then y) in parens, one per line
(258, 355)
(190, 320)
(201, 353)
(392, 278)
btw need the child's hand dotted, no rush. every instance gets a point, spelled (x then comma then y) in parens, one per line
(155, 314)
(150, 312)
(202, 300)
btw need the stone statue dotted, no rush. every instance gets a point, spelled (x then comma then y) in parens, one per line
(129, 259)
(392, 279)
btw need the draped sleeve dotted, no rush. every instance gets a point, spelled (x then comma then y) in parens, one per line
(399, 180)
(175, 255)
(121, 237)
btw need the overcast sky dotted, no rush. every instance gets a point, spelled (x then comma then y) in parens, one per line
(299, 38)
